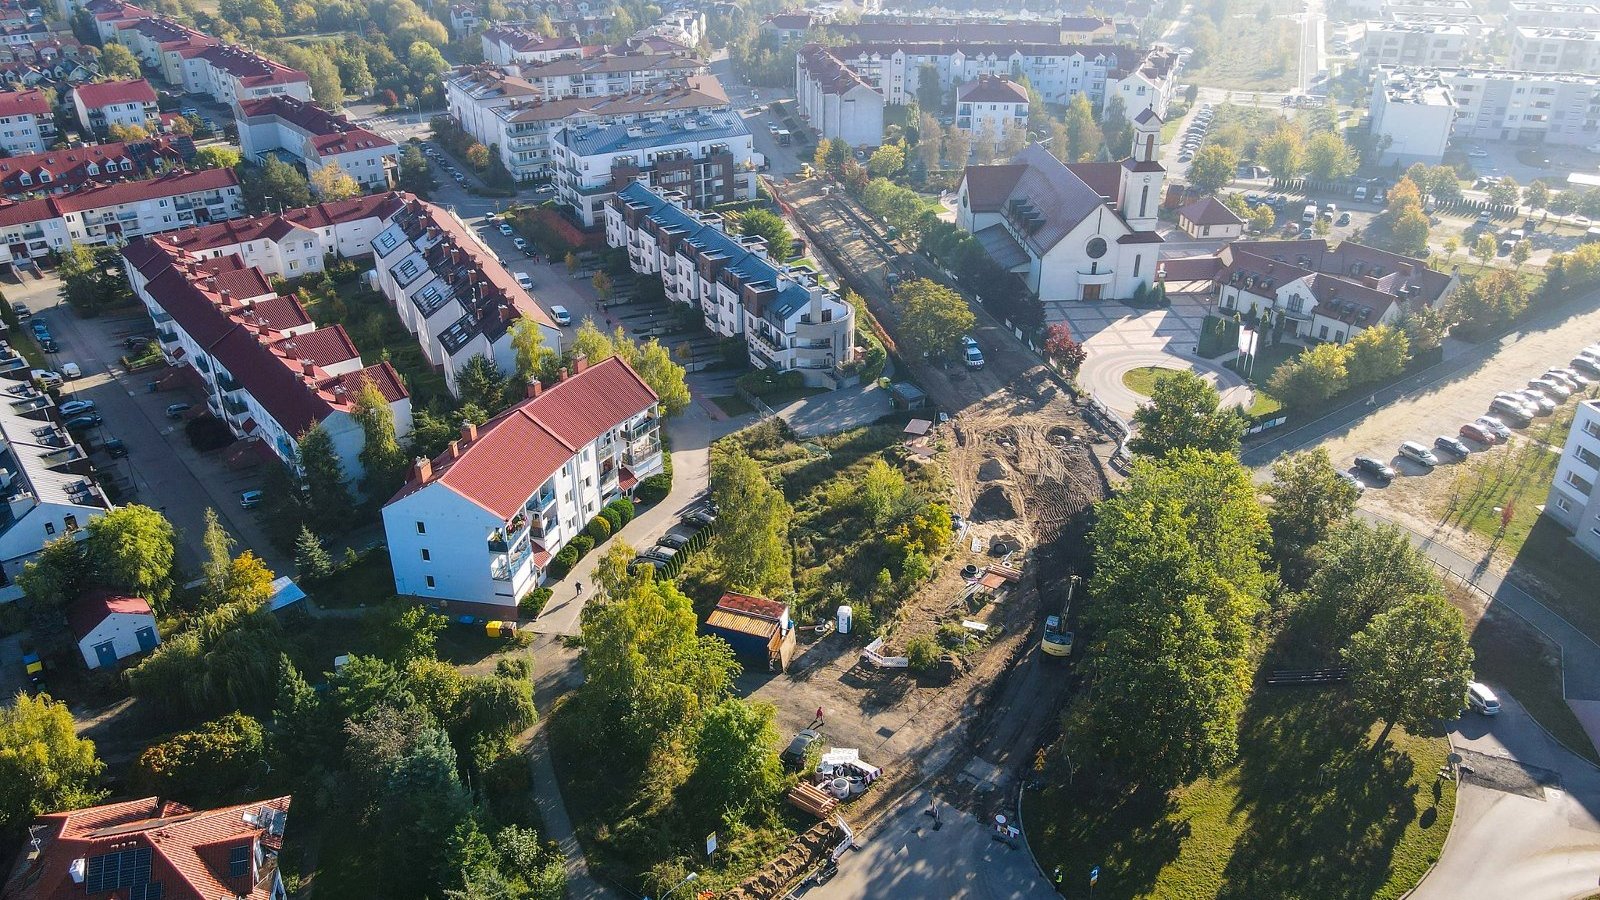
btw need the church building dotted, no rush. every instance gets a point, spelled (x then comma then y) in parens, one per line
(1072, 231)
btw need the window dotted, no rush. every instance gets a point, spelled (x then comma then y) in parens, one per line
(1096, 248)
(1588, 459)
(238, 861)
(49, 528)
(71, 522)
(421, 528)
(1581, 483)
(426, 556)
(430, 581)
(1563, 505)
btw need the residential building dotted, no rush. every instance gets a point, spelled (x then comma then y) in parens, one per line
(1427, 8)
(789, 321)
(1392, 44)
(1474, 25)
(507, 115)
(991, 104)
(480, 523)
(296, 242)
(1527, 107)
(266, 368)
(192, 61)
(154, 849)
(791, 27)
(110, 212)
(896, 28)
(838, 103)
(1552, 14)
(27, 124)
(103, 104)
(1545, 49)
(315, 139)
(1306, 290)
(1210, 218)
(110, 626)
(1079, 231)
(464, 19)
(55, 171)
(1413, 115)
(48, 489)
(1573, 500)
(518, 45)
(710, 159)
(236, 74)
(451, 290)
(600, 76)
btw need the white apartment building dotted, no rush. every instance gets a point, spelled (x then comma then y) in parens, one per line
(451, 290)
(46, 488)
(600, 76)
(991, 105)
(480, 523)
(790, 323)
(1552, 14)
(512, 120)
(515, 45)
(1392, 44)
(1573, 500)
(710, 159)
(235, 74)
(1530, 107)
(192, 60)
(268, 370)
(296, 242)
(26, 122)
(835, 100)
(1413, 114)
(103, 104)
(106, 213)
(1546, 49)
(315, 138)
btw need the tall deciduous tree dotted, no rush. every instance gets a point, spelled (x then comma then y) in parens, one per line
(534, 359)
(1283, 152)
(887, 161)
(930, 142)
(130, 548)
(1411, 665)
(1328, 156)
(766, 224)
(1213, 168)
(218, 562)
(932, 316)
(1184, 412)
(1377, 353)
(654, 363)
(1308, 379)
(328, 502)
(381, 454)
(1083, 137)
(276, 186)
(1488, 302)
(117, 61)
(44, 766)
(751, 547)
(206, 765)
(1309, 500)
(957, 147)
(332, 182)
(736, 759)
(1362, 570)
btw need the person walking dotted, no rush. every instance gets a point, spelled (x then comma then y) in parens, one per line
(817, 722)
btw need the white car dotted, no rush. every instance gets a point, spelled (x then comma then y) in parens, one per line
(77, 407)
(1478, 153)
(1493, 426)
(45, 377)
(519, 243)
(71, 370)
(524, 281)
(505, 229)
(1416, 452)
(561, 316)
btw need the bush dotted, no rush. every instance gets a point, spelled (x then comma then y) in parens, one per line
(624, 508)
(582, 544)
(598, 528)
(653, 490)
(565, 559)
(922, 652)
(613, 519)
(532, 603)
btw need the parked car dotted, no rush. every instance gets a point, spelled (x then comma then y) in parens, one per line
(521, 243)
(49, 346)
(1587, 366)
(1494, 426)
(1572, 376)
(665, 554)
(1377, 468)
(974, 357)
(1472, 431)
(1478, 153)
(1511, 411)
(1543, 405)
(40, 329)
(22, 311)
(1354, 482)
(71, 370)
(701, 516)
(525, 281)
(1344, 219)
(506, 229)
(45, 378)
(1417, 453)
(1452, 445)
(115, 448)
(137, 342)
(1482, 700)
(77, 407)
(1554, 389)
(250, 499)
(79, 423)
(793, 756)
(560, 316)
(1527, 408)
(674, 540)
(176, 410)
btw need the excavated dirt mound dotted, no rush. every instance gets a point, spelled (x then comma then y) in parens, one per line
(802, 852)
(992, 470)
(993, 505)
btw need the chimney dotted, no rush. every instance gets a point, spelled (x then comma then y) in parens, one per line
(534, 388)
(563, 374)
(422, 470)
(308, 367)
(580, 362)
(455, 449)
(469, 432)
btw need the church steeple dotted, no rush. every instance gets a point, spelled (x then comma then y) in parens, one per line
(1139, 194)
(1147, 136)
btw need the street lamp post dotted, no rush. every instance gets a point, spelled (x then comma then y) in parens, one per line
(692, 876)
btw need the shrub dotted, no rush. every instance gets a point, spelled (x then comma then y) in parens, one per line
(766, 382)
(922, 652)
(565, 559)
(613, 519)
(653, 490)
(532, 603)
(624, 508)
(598, 528)
(582, 544)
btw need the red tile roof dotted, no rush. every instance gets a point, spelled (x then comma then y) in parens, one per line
(18, 103)
(274, 227)
(251, 68)
(106, 93)
(1210, 211)
(172, 185)
(330, 133)
(989, 89)
(326, 347)
(188, 849)
(89, 610)
(753, 606)
(518, 450)
(70, 168)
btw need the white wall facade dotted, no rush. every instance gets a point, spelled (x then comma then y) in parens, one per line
(121, 630)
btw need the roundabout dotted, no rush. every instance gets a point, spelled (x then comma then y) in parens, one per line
(1122, 379)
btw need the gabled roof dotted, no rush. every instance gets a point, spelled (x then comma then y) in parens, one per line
(1210, 211)
(276, 226)
(189, 853)
(1148, 116)
(990, 89)
(30, 102)
(517, 451)
(1048, 194)
(107, 93)
(70, 168)
(171, 185)
(330, 133)
(92, 608)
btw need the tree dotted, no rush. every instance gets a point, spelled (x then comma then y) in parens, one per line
(481, 383)
(414, 174)
(1484, 249)
(1309, 500)
(331, 182)
(1505, 192)
(217, 564)
(767, 225)
(118, 62)
(1213, 168)
(311, 561)
(1490, 301)
(930, 142)
(328, 501)
(957, 147)
(1178, 587)
(56, 576)
(1424, 328)
(591, 342)
(1060, 346)
(932, 316)
(1261, 219)
(249, 580)
(275, 187)
(1083, 137)
(130, 548)
(382, 457)
(1411, 665)
(1537, 195)
(1361, 570)
(820, 157)
(1184, 412)
(206, 765)
(736, 759)
(751, 547)
(1308, 379)
(1376, 353)
(1520, 251)
(85, 283)
(409, 633)
(216, 156)
(887, 161)
(1452, 246)
(1283, 152)
(1442, 183)
(1328, 157)
(984, 146)
(44, 766)
(534, 359)
(1114, 125)
(654, 363)
(1410, 232)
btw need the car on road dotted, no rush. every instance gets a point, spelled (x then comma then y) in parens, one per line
(1482, 700)
(974, 357)
(176, 410)
(1472, 431)
(78, 423)
(49, 345)
(1478, 153)
(250, 499)
(71, 370)
(1417, 453)
(525, 281)
(561, 316)
(506, 229)
(1057, 640)
(521, 243)
(77, 407)
(1375, 467)
(1452, 446)
(1484, 218)
(40, 328)
(115, 448)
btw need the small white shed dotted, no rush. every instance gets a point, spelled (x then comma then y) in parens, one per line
(110, 626)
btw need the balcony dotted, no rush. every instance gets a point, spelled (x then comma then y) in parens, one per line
(235, 408)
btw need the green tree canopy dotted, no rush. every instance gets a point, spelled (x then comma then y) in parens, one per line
(207, 765)
(887, 161)
(1309, 500)
(1184, 413)
(766, 224)
(1411, 665)
(44, 766)
(1328, 156)
(382, 456)
(751, 547)
(1308, 379)
(736, 759)
(481, 383)
(1213, 168)
(118, 62)
(130, 548)
(328, 501)
(1377, 353)
(932, 316)
(1488, 302)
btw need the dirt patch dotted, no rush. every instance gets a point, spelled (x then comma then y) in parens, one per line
(993, 505)
(793, 862)
(992, 470)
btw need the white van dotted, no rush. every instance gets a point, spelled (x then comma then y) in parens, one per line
(1361, 192)
(1310, 214)
(1483, 700)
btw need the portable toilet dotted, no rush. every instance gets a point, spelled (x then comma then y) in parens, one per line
(845, 617)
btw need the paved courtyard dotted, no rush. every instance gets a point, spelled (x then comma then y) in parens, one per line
(1119, 338)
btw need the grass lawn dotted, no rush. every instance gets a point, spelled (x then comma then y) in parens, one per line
(733, 405)
(1252, 54)
(1307, 810)
(1267, 361)
(378, 333)
(1515, 474)
(369, 582)
(1514, 656)
(1143, 379)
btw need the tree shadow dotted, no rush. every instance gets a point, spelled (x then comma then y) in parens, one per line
(1325, 813)
(1128, 834)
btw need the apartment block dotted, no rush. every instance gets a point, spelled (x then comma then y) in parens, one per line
(451, 290)
(1392, 44)
(1530, 107)
(838, 103)
(790, 323)
(1546, 49)
(1552, 14)
(54, 171)
(611, 73)
(194, 61)
(991, 105)
(27, 124)
(103, 104)
(481, 523)
(315, 138)
(1413, 114)
(296, 242)
(1573, 500)
(515, 45)
(709, 159)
